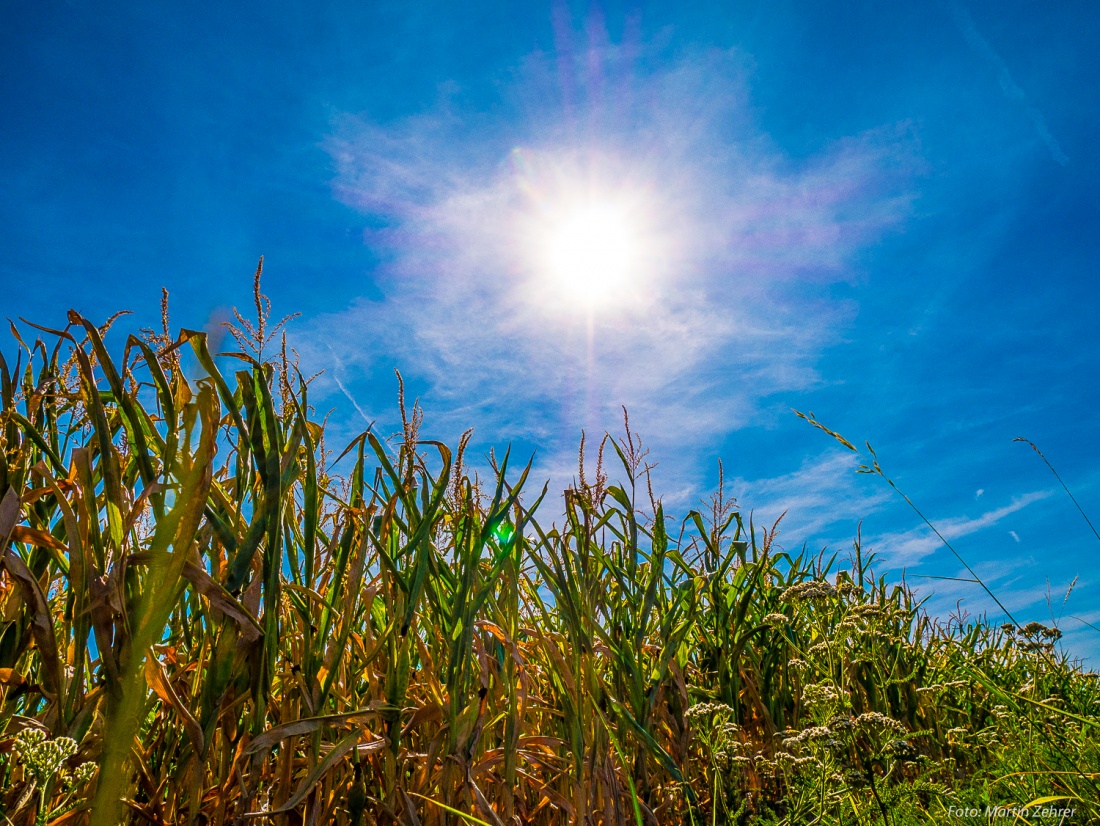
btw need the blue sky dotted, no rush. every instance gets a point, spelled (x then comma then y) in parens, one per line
(883, 213)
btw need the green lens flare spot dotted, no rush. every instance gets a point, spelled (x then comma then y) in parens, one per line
(504, 533)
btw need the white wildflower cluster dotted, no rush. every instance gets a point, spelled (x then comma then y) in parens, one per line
(842, 723)
(701, 710)
(816, 695)
(812, 734)
(860, 616)
(1053, 719)
(850, 623)
(988, 738)
(867, 611)
(1033, 637)
(865, 619)
(813, 590)
(957, 736)
(846, 586)
(819, 648)
(774, 619)
(43, 759)
(722, 738)
(729, 729)
(785, 760)
(1037, 646)
(903, 750)
(82, 774)
(763, 765)
(1035, 630)
(929, 689)
(874, 720)
(800, 666)
(730, 751)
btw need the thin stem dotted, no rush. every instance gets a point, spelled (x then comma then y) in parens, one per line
(1063, 484)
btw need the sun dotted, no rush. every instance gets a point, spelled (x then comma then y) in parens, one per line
(591, 252)
(592, 234)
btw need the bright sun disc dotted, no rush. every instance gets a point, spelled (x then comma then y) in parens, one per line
(590, 253)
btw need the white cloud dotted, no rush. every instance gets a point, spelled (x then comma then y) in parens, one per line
(824, 499)
(735, 309)
(909, 548)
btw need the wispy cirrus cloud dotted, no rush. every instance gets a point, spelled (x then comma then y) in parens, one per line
(743, 243)
(910, 548)
(825, 499)
(821, 502)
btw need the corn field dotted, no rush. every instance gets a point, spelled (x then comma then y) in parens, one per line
(203, 622)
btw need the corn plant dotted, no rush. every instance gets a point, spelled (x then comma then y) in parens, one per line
(209, 616)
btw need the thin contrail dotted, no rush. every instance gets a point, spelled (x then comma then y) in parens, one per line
(336, 378)
(1011, 91)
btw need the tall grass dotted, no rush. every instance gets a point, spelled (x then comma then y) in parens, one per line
(202, 623)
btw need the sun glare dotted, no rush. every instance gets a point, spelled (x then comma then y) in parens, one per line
(591, 252)
(591, 233)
